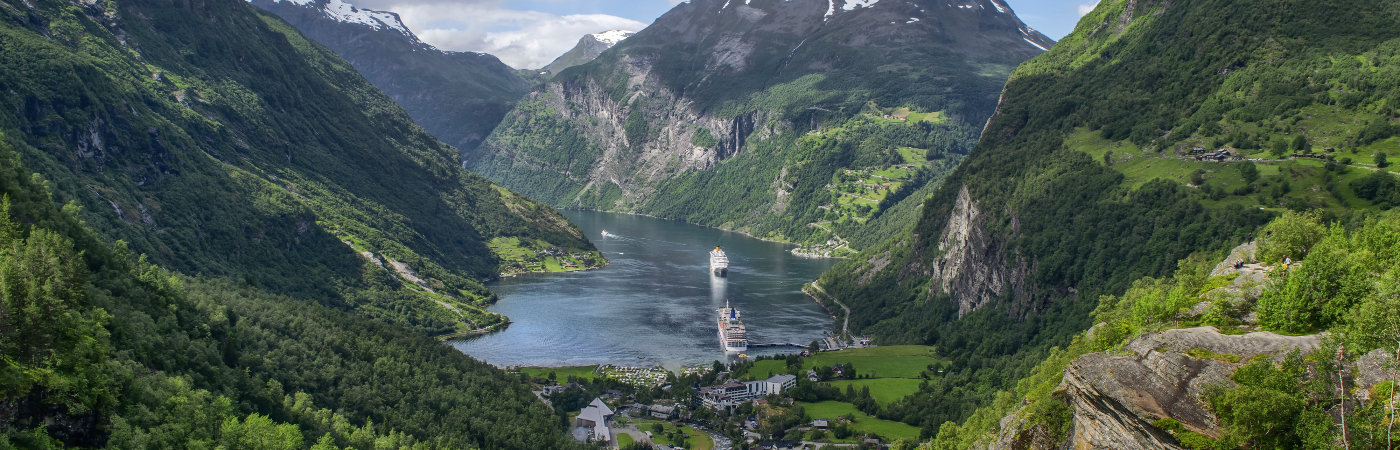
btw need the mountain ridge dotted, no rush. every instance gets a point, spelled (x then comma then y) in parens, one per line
(458, 97)
(587, 49)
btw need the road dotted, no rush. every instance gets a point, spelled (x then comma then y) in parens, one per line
(846, 325)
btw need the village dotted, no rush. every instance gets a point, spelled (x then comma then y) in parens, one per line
(799, 401)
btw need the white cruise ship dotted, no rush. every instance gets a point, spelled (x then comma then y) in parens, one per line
(732, 333)
(719, 262)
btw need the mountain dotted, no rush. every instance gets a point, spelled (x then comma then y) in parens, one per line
(214, 233)
(458, 97)
(1102, 173)
(588, 48)
(787, 120)
(217, 140)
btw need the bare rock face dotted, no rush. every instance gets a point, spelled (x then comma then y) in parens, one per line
(972, 264)
(1117, 397)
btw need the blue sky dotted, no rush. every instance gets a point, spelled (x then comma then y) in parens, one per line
(528, 34)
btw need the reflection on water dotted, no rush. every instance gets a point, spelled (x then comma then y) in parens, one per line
(656, 302)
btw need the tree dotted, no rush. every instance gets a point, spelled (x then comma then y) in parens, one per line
(1301, 144)
(1381, 160)
(1249, 172)
(1280, 149)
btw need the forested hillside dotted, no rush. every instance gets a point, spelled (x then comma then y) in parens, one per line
(1155, 131)
(789, 120)
(458, 97)
(105, 349)
(218, 141)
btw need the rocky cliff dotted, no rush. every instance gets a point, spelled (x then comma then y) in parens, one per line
(653, 119)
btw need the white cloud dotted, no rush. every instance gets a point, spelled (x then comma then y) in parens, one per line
(1085, 9)
(521, 39)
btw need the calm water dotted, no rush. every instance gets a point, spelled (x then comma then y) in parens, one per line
(655, 303)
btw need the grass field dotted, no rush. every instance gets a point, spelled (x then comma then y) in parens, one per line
(562, 373)
(896, 361)
(885, 390)
(864, 423)
(624, 440)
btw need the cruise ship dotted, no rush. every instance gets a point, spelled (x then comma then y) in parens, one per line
(732, 333)
(719, 263)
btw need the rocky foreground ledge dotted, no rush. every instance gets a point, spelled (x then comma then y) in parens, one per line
(1116, 397)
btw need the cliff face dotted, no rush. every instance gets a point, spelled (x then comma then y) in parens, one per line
(711, 80)
(973, 267)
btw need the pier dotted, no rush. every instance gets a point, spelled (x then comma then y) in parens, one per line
(777, 345)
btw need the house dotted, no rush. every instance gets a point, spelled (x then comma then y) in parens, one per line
(663, 412)
(820, 424)
(551, 390)
(596, 416)
(812, 376)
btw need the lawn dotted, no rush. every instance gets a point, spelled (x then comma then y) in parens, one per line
(913, 155)
(623, 440)
(896, 361)
(885, 390)
(561, 374)
(864, 422)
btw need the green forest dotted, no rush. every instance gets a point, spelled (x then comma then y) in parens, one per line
(101, 347)
(270, 161)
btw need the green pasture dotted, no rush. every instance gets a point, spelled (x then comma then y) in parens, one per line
(864, 423)
(895, 361)
(885, 390)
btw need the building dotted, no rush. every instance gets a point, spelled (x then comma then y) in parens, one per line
(663, 412)
(596, 416)
(733, 392)
(812, 376)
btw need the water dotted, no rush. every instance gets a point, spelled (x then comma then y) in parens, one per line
(655, 303)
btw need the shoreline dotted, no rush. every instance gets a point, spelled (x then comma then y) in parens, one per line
(798, 246)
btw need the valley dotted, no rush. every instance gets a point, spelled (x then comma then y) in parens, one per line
(294, 224)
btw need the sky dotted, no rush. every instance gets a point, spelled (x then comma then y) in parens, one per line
(529, 34)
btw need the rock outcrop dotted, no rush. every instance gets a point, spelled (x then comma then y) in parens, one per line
(972, 265)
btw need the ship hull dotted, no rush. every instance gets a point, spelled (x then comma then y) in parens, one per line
(720, 271)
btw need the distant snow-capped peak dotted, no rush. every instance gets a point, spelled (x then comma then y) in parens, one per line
(347, 13)
(612, 37)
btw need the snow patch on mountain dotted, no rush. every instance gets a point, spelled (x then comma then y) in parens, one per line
(852, 4)
(347, 13)
(612, 37)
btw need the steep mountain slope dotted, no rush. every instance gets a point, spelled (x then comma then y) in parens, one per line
(459, 97)
(587, 49)
(1089, 176)
(105, 350)
(778, 118)
(217, 140)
